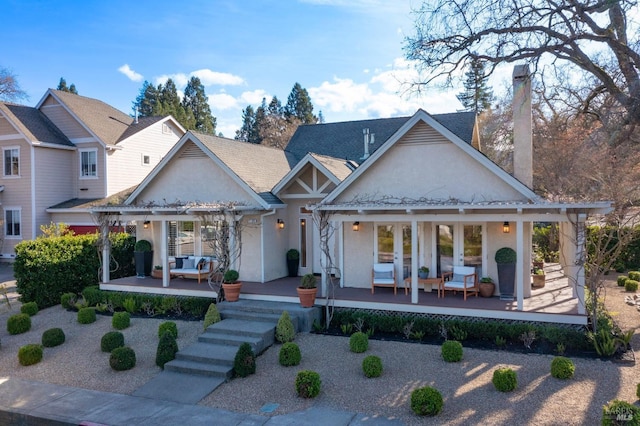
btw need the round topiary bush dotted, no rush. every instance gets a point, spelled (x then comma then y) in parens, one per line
(86, 315)
(167, 349)
(29, 308)
(245, 361)
(562, 368)
(612, 412)
(359, 342)
(621, 280)
(451, 351)
(121, 320)
(168, 327)
(284, 330)
(30, 354)
(308, 384)
(372, 366)
(426, 401)
(212, 316)
(289, 355)
(634, 275)
(631, 285)
(18, 323)
(505, 379)
(122, 358)
(53, 337)
(111, 341)
(68, 300)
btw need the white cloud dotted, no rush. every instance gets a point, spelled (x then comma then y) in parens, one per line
(343, 95)
(222, 101)
(131, 74)
(254, 97)
(210, 78)
(180, 79)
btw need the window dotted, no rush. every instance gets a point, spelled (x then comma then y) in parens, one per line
(11, 161)
(89, 163)
(166, 129)
(146, 160)
(12, 222)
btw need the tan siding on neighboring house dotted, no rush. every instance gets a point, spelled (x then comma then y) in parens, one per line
(6, 128)
(17, 194)
(90, 187)
(63, 120)
(54, 183)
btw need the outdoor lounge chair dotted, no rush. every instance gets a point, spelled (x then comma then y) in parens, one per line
(383, 275)
(463, 278)
(192, 267)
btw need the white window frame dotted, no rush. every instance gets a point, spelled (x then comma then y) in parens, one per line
(166, 129)
(146, 157)
(8, 173)
(80, 154)
(11, 236)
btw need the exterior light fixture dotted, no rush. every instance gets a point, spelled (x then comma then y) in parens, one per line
(280, 224)
(146, 224)
(356, 226)
(506, 228)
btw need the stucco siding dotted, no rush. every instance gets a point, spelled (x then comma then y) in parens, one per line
(63, 120)
(54, 183)
(78, 219)
(358, 255)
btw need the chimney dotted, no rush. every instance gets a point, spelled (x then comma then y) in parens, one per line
(522, 127)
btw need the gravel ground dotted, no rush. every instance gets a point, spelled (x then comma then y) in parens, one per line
(469, 396)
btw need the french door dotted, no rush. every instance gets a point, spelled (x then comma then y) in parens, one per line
(393, 245)
(459, 244)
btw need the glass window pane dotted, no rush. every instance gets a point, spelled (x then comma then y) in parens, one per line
(385, 243)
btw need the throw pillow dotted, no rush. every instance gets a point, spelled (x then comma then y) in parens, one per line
(179, 261)
(202, 263)
(188, 264)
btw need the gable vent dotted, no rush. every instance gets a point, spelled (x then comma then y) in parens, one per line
(421, 133)
(191, 151)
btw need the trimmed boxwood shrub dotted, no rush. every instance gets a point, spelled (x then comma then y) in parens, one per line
(167, 349)
(289, 355)
(426, 401)
(359, 342)
(630, 285)
(30, 354)
(505, 379)
(29, 308)
(244, 362)
(212, 316)
(308, 384)
(168, 327)
(615, 408)
(284, 330)
(372, 366)
(92, 295)
(562, 368)
(120, 320)
(18, 323)
(53, 337)
(621, 279)
(68, 300)
(86, 315)
(122, 358)
(451, 351)
(634, 275)
(111, 340)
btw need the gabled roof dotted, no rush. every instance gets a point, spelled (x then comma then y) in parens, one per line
(80, 205)
(345, 140)
(335, 169)
(33, 124)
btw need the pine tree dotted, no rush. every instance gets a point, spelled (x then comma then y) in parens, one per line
(299, 105)
(248, 124)
(476, 96)
(62, 86)
(147, 102)
(195, 100)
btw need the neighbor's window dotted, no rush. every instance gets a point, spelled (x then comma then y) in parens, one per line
(11, 161)
(89, 163)
(12, 222)
(146, 160)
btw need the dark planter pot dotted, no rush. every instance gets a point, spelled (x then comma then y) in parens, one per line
(506, 280)
(423, 275)
(144, 262)
(292, 266)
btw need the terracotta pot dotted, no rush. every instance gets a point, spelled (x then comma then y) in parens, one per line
(232, 291)
(538, 281)
(307, 296)
(487, 289)
(156, 273)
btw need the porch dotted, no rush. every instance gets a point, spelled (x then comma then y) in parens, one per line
(554, 302)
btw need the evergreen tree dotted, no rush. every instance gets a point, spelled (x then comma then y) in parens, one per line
(476, 96)
(320, 117)
(246, 132)
(299, 105)
(147, 102)
(62, 86)
(195, 100)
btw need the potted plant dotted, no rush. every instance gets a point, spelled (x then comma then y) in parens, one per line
(487, 287)
(538, 261)
(423, 272)
(538, 278)
(293, 259)
(157, 271)
(143, 256)
(506, 261)
(307, 291)
(231, 285)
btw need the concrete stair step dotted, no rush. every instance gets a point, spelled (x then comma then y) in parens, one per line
(256, 316)
(257, 344)
(199, 368)
(208, 352)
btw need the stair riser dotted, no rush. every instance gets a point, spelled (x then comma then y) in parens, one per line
(249, 316)
(206, 360)
(258, 347)
(191, 370)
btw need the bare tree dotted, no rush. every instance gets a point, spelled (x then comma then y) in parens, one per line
(326, 230)
(9, 88)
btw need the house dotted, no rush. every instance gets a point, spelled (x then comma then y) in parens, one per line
(67, 153)
(418, 193)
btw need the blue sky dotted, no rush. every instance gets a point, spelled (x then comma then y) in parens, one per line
(346, 53)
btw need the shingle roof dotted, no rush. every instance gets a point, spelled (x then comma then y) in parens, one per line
(86, 203)
(34, 124)
(345, 139)
(336, 166)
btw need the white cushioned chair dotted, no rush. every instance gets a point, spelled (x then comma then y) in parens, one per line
(462, 278)
(192, 267)
(383, 275)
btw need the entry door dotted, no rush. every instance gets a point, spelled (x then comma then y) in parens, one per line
(393, 245)
(459, 244)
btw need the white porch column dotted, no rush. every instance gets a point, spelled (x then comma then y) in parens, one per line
(414, 261)
(520, 264)
(164, 258)
(106, 252)
(341, 251)
(323, 274)
(581, 234)
(232, 240)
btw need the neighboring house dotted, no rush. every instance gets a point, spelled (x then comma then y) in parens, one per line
(69, 152)
(421, 194)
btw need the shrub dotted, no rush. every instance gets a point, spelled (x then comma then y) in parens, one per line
(68, 300)
(451, 351)
(29, 308)
(121, 320)
(92, 295)
(621, 279)
(53, 337)
(308, 384)
(168, 327)
(245, 361)
(289, 354)
(212, 316)
(504, 379)
(630, 285)
(129, 305)
(284, 330)
(372, 366)
(619, 412)
(30, 354)
(167, 348)
(634, 275)
(111, 340)
(18, 323)
(86, 315)
(426, 401)
(358, 342)
(562, 368)
(122, 358)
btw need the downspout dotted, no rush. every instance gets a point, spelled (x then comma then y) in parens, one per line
(262, 245)
(33, 193)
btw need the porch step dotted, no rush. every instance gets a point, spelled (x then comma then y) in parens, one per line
(302, 318)
(208, 353)
(256, 316)
(199, 368)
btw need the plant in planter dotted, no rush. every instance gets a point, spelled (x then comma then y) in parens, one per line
(231, 285)
(538, 278)
(487, 287)
(293, 259)
(143, 255)
(157, 271)
(506, 261)
(423, 272)
(307, 291)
